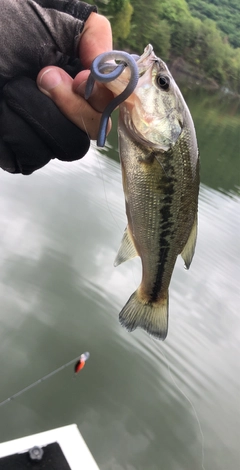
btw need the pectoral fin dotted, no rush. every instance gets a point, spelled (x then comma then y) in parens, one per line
(188, 250)
(127, 249)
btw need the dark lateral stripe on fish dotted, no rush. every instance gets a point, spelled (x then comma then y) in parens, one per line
(166, 226)
(160, 272)
(163, 252)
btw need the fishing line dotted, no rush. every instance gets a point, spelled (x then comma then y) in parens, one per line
(161, 165)
(77, 360)
(105, 192)
(99, 164)
(85, 128)
(192, 406)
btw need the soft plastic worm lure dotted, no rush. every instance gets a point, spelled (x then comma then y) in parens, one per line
(104, 72)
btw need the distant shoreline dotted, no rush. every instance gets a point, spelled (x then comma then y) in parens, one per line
(181, 69)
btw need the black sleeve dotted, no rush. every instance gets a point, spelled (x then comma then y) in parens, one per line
(36, 33)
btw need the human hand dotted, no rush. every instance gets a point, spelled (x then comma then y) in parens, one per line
(33, 130)
(68, 93)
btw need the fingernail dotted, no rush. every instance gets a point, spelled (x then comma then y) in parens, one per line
(50, 79)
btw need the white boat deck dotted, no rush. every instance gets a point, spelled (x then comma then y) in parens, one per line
(68, 437)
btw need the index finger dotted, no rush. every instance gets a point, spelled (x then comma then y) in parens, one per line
(95, 38)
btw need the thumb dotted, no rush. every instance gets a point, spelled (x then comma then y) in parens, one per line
(57, 84)
(51, 77)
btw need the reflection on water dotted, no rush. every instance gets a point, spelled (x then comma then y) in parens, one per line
(61, 295)
(217, 122)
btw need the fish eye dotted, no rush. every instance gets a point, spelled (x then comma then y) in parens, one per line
(163, 82)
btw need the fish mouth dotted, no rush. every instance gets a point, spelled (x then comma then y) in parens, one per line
(146, 59)
(148, 51)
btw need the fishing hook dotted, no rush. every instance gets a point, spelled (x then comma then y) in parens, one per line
(104, 73)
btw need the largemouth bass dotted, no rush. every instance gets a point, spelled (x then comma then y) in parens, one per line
(160, 174)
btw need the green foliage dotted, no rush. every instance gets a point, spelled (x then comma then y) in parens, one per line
(161, 39)
(112, 7)
(121, 23)
(147, 27)
(226, 13)
(119, 13)
(173, 10)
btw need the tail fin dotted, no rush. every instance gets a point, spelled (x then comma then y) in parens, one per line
(152, 317)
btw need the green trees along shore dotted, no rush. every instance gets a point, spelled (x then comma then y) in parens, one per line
(205, 33)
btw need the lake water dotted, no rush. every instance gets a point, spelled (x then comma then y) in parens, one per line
(140, 404)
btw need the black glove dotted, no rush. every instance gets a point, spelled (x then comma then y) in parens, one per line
(33, 130)
(35, 34)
